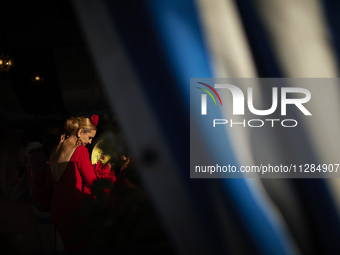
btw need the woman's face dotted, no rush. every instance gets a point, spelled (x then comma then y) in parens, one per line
(86, 138)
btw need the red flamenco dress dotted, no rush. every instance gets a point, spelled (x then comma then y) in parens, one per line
(70, 191)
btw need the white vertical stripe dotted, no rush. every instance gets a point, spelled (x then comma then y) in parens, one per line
(204, 104)
(231, 57)
(300, 36)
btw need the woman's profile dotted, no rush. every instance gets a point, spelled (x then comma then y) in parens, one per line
(71, 175)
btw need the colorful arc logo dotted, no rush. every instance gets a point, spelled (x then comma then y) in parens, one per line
(204, 97)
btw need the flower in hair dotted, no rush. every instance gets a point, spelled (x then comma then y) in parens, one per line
(94, 119)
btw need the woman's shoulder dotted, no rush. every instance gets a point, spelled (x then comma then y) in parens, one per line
(63, 150)
(55, 152)
(81, 149)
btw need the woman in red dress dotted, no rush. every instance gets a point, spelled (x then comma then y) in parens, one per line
(71, 171)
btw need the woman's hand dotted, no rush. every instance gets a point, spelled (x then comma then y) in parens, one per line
(110, 163)
(126, 162)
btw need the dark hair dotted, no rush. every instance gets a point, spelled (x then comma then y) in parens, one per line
(53, 134)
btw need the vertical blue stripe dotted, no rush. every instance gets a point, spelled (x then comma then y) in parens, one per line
(178, 27)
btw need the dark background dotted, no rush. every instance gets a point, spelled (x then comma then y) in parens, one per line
(43, 38)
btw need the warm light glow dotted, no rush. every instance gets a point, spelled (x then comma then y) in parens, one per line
(37, 79)
(6, 63)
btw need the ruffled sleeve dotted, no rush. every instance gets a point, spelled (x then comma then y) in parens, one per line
(85, 167)
(104, 172)
(90, 172)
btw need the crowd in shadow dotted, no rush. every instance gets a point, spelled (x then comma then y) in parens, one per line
(115, 215)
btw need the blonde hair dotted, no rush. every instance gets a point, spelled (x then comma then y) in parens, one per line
(74, 124)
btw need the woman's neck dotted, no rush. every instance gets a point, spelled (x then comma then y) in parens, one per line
(72, 139)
